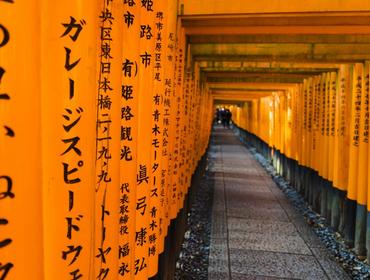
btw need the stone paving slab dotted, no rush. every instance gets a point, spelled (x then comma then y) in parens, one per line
(218, 259)
(237, 276)
(260, 226)
(252, 213)
(256, 233)
(269, 242)
(219, 225)
(274, 264)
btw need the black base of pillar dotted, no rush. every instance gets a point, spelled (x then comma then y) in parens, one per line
(360, 230)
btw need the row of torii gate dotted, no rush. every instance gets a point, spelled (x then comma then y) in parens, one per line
(106, 109)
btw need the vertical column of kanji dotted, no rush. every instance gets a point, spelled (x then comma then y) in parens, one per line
(319, 143)
(325, 151)
(332, 127)
(180, 94)
(209, 105)
(304, 122)
(357, 91)
(192, 118)
(281, 120)
(322, 123)
(209, 122)
(289, 141)
(173, 165)
(183, 131)
(195, 114)
(168, 109)
(187, 128)
(284, 111)
(337, 141)
(325, 95)
(200, 114)
(144, 178)
(293, 117)
(202, 117)
(108, 108)
(299, 121)
(276, 120)
(210, 119)
(129, 137)
(180, 103)
(285, 123)
(296, 134)
(199, 87)
(165, 47)
(162, 106)
(310, 120)
(166, 120)
(315, 119)
(312, 143)
(282, 115)
(323, 112)
(20, 147)
(315, 154)
(341, 156)
(324, 127)
(156, 201)
(271, 120)
(186, 116)
(68, 76)
(325, 78)
(363, 141)
(204, 120)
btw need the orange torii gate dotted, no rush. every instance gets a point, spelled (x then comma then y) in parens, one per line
(106, 109)
(100, 110)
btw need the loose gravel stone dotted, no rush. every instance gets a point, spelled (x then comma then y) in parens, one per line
(193, 259)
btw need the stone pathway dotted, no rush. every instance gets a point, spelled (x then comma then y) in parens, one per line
(256, 233)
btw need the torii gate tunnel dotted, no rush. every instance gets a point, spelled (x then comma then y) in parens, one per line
(106, 109)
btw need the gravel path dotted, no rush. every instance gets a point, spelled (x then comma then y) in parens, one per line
(193, 259)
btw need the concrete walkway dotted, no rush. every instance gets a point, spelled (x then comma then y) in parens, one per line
(256, 233)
